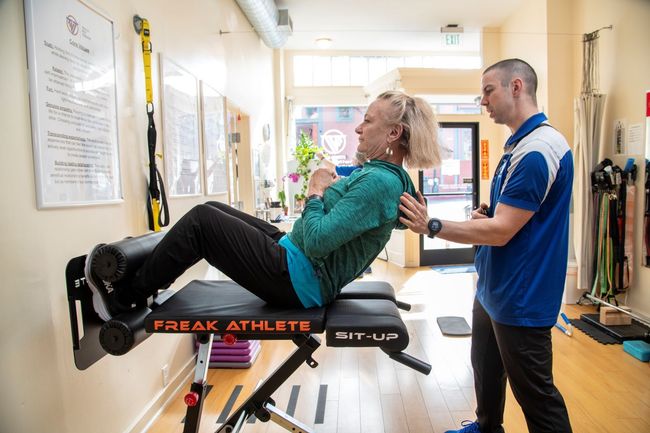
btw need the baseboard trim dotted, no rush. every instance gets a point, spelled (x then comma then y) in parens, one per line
(163, 399)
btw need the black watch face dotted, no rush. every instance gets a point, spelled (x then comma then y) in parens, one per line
(434, 226)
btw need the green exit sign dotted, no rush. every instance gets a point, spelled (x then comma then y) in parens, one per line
(452, 39)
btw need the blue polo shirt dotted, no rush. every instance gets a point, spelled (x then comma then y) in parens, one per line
(521, 283)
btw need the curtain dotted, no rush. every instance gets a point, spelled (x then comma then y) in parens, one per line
(587, 151)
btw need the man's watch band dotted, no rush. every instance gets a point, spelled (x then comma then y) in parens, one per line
(434, 225)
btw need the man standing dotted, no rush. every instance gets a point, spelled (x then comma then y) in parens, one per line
(521, 259)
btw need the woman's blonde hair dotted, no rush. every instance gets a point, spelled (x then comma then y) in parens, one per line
(420, 128)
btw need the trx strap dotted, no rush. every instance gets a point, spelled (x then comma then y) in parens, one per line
(157, 210)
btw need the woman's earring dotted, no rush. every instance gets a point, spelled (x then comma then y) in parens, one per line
(389, 151)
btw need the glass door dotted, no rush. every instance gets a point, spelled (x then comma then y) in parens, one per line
(451, 191)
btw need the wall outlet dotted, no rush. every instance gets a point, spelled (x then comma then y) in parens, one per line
(165, 375)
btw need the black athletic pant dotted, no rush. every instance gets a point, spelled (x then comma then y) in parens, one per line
(524, 356)
(241, 246)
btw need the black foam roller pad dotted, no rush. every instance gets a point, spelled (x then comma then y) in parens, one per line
(124, 332)
(115, 261)
(365, 323)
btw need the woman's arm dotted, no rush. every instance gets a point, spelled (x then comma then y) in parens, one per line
(365, 205)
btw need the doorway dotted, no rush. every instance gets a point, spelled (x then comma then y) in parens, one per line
(451, 191)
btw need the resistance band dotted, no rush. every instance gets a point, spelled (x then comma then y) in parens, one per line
(613, 197)
(157, 210)
(646, 213)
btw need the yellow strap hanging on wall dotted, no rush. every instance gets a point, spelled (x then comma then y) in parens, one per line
(145, 37)
(158, 212)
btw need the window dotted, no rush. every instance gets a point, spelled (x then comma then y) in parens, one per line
(453, 104)
(341, 71)
(332, 128)
(454, 51)
(358, 71)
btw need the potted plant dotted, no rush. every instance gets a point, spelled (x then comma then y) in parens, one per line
(304, 153)
(283, 201)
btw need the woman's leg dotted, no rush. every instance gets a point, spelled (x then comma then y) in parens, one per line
(267, 228)
(230, 241)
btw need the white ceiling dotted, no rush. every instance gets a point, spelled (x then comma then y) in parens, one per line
(387, 25)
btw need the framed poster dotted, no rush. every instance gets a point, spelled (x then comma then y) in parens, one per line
(181, 148)
(213, 109)
(71, 63)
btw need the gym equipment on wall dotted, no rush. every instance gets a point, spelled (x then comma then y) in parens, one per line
(613, 194)
(157, 209)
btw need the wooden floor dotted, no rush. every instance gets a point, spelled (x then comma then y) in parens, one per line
(606, 390)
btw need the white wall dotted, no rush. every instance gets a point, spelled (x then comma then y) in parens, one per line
(523, 35)
(624, 78)
(42, 389)
(548, 35)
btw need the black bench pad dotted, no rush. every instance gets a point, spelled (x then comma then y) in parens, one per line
(225, 307)
(366, 323)
(367, 290)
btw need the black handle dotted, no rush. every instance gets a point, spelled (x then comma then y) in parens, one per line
(403, 305)
(124, 331)
(409, 361)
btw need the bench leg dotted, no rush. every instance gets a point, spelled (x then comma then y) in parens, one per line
(260, 404)
(194, 399)
(285, 421)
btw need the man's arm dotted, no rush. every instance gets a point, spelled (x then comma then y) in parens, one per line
(480, 230)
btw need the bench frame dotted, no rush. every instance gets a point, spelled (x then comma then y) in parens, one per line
(88, 349)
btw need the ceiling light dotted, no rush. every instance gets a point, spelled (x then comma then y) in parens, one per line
(323, 43)
(451, 28)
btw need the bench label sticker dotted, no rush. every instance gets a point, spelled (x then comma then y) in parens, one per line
(289, 326)
(342, 335)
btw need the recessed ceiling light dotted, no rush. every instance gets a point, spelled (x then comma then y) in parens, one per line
(323, 43)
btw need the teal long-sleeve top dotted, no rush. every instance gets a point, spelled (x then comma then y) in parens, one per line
(343, 234)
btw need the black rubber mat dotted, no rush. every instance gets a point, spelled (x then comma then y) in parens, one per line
(635, 331)
(594, 332)
(454, 326)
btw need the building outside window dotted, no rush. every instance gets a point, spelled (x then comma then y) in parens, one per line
(332, 128)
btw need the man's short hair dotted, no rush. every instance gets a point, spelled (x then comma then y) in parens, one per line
(517, 68)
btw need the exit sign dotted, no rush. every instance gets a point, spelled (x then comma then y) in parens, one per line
(452, 39)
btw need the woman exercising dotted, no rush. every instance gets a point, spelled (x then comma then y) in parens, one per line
(345, 224)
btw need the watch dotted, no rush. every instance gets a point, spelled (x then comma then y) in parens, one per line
(434, 225)
(315, 197)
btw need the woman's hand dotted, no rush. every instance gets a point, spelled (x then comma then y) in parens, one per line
(325, 163)
(321, 179)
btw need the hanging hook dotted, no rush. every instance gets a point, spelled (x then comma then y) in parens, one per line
(593, 35)
(137, 23)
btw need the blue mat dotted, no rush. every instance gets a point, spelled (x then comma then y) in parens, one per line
(457, 269)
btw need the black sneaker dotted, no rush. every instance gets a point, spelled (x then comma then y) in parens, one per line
(107, 299)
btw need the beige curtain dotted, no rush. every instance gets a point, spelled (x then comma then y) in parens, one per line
(587, 152)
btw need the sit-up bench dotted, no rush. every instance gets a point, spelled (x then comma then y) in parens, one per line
(364, 315)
